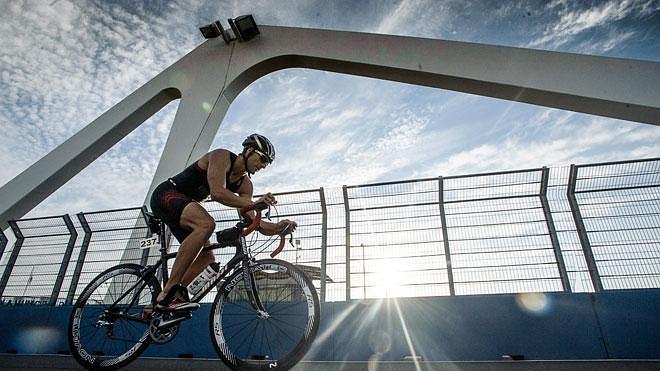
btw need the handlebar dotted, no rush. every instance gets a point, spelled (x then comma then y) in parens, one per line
(255, 224)
(279, 247)
(257, 219)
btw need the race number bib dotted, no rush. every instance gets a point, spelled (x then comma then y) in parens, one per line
(149, 242)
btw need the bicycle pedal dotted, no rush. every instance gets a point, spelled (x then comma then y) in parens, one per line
(164, 323)
(189, 307)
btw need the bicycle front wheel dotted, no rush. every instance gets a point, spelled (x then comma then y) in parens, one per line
(109, 326)
(276, 339)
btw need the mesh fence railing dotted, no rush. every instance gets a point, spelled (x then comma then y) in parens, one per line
(619, 204)
(569, 241)
(394, 240)
(499, 236)
(579, 229)
(36, 267)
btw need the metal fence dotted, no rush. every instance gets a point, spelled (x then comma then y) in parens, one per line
(39, 258)
(574, 229)
(109, 237)
(474, 234)
(618, 208)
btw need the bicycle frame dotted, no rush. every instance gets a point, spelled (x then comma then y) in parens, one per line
(241, 260)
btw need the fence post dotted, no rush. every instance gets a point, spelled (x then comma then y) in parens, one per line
(14, 255)
(582, 232)
(552, 231)
(3, 243)
(445, 235)
(65, 260)
(144, 260)
(81, 258)
(348, 243)
(324, 242)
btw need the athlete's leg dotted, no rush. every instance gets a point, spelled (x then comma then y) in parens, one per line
(195, 218)
(201, 262)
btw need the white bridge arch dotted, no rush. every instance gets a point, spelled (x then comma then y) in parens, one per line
(215, 73)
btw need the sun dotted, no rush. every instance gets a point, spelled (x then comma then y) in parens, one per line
(388, 279)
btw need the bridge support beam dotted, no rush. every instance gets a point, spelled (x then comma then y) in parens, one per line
(210, 77)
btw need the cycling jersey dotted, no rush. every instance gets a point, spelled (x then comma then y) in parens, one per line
(191, 185)
(193, 181)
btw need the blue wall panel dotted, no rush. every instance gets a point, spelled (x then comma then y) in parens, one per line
(614, 324)
(630, 321)
(468, 328)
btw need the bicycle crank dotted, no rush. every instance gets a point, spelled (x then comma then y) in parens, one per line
(162, 336)
(164, 327)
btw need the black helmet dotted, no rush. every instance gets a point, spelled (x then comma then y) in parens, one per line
(261, 145)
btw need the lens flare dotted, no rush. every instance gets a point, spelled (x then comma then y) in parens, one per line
(372, 363)
(536, 303)
(369, 315)
(324, 335)
(206, 106)
(380, 342)
(37, 339)
(407, 336)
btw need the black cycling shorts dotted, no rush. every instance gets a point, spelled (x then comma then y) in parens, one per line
(167, 203)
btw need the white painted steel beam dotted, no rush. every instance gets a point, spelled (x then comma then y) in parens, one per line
(210, 77)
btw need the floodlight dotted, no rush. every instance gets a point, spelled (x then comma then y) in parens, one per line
(212, 30)
(226, 35)
(244, 27)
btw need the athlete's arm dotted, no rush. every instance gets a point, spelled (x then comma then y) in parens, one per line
(266, 228)
(218, 166)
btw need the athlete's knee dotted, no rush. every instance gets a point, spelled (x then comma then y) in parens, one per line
(207, 257)
(206, 226)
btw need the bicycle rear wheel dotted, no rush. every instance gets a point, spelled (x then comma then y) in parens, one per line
(106, 328)
(276, 339)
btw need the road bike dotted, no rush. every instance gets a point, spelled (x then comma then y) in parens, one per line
(265, 314)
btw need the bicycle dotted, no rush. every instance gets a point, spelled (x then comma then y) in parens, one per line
(265, 314)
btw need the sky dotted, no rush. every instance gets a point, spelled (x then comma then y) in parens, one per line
(63, 63)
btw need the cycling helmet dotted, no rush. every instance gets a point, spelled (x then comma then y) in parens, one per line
(261, 145)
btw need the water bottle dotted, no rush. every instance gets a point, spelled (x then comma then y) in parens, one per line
(203, 278)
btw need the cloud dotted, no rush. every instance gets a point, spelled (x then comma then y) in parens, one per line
(574, 21)
(565, 138)
(610, 42)
(414, 18)
(76, 61)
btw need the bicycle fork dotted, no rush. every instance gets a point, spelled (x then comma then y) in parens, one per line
(253, 293)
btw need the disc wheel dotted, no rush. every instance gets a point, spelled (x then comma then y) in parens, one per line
(276, 339)
(108, 326)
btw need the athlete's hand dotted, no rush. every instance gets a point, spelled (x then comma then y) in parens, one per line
(266, 200)
(286, 226)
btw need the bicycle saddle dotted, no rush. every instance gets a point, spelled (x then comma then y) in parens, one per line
(153, 222)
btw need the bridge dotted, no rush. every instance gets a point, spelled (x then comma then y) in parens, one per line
(529, 269)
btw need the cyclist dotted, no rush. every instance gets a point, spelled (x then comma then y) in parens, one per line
(226, 178)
